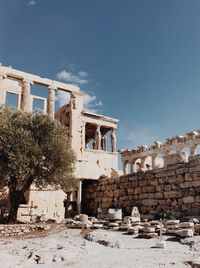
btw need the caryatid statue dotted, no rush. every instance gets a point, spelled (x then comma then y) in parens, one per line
(97, 138)
(113, 140)
(103, 142)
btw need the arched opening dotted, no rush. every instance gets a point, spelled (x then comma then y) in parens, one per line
(198, 149)
(185, 153)
(136, 165)
(128, 168)
(159, 162)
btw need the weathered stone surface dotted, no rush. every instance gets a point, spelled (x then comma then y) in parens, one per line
(115, 214)
(124, 227)
(170, 191)
(132, 230)
(185, 232)
(149, 230)
(113, 224)
(172, 222)
(188, 199)
(197, 228)
(172, 226)
(148, 235)
(186, 224)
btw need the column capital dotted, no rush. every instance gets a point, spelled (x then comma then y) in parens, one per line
(27, 81)
(54, 88)
(2, 76)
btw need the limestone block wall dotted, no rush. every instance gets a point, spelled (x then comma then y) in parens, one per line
(22, 229)
(172, 190)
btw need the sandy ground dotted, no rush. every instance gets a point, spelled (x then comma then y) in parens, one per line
(65, 249)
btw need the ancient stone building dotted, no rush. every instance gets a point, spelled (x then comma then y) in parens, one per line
(92, 136)
(161, 180)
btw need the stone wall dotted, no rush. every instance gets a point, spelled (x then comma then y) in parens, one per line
(172, 190)
(21, 229)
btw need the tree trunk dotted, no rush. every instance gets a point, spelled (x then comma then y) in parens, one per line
(15, 199)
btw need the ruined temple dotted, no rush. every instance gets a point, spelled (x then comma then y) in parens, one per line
(163, 179)
(92, 137)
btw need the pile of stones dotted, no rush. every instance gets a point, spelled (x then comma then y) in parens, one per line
(133, 224)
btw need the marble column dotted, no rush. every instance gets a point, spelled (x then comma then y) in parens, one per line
(143, 163)
(2, 93)
(132, 166)
(51, 102)
(113, 140)
(79, 196)
(125, 167)
(165, 158)
(192, 150)
(153, 160)
(26, 96)
(98, 138)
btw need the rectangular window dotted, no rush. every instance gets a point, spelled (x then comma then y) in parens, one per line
(38, 105)
(12, 100)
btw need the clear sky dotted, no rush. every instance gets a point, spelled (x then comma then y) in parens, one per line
(138, 60)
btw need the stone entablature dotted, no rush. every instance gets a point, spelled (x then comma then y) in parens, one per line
(173, 145)
(19, 83)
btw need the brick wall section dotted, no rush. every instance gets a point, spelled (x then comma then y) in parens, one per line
(174, 190)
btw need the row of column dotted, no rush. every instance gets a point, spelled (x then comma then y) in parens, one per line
(26, 98)
(100, 141)
(142, 166)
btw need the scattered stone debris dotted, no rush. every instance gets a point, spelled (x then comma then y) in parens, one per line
(134, 225)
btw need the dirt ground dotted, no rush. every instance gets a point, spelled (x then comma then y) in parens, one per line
(108, 249)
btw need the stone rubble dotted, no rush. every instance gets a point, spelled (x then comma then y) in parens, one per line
(142, 228)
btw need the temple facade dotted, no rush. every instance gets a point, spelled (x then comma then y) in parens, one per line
(92, 137)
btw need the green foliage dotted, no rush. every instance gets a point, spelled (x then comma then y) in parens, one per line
(34, 148)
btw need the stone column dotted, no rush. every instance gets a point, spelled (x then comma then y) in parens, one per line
(26, 96)
(153, 160)
(142, 163)
(113, 140)
(165, 158)
(51, 102)
(125, 167)
(2, 93)
(79, 196)
(98, 138)
(132, 165)
(192, 150)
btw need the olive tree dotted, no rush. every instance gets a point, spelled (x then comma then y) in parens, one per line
(33, 149)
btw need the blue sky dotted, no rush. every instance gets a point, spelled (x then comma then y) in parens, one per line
(138, 60)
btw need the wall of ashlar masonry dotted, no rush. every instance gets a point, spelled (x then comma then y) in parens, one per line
(171, 190)
(149, 158)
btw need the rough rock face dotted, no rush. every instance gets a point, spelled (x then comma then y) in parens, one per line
(171, 191)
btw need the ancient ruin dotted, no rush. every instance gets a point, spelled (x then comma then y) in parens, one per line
(92, 137)
(157, 155)
(159, 180)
